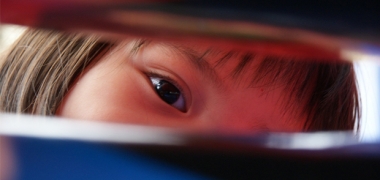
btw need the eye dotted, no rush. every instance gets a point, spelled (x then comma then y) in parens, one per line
(169, 93)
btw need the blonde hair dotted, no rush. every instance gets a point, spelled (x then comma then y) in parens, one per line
(40, 67)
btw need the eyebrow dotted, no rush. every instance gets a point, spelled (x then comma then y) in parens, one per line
(197, 60)
(192, 57)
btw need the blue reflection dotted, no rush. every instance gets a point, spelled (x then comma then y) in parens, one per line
(39, 159)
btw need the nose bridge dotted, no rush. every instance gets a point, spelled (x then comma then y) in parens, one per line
(226, 108)
(231, 103)
(231, 117)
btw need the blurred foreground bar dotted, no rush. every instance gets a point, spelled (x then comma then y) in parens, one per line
(51, 148)
(328, 30)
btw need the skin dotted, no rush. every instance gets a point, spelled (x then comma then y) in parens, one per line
(115, 88)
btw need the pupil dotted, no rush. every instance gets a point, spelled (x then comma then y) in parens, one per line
(167, 91)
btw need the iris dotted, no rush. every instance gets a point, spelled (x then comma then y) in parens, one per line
(167, 91)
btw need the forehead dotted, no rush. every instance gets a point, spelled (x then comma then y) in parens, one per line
(218, 63)
(234, 68)
(231, 72)
(252, 70)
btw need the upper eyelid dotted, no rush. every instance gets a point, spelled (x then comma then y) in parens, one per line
(176, 84)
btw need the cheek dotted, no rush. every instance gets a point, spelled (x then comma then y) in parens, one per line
(99, 95)
(115, 94)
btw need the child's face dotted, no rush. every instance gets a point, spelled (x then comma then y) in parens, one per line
(121, 87)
